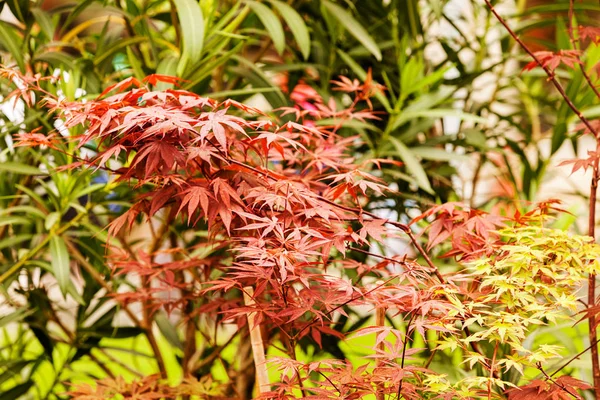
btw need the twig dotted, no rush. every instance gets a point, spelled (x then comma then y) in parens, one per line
(593, 188)
(147, 322)
(550, 74)
(575, 357)
(380, 321)
(98, 278)
(574, 44)
(593, 335)
(548, 377)
(404, 354)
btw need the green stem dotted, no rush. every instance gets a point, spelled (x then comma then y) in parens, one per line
(19, 264)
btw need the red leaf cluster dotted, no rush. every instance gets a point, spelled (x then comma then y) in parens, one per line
(562, 388)
(551, 60)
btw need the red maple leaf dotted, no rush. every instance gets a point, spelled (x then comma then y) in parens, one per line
(551, 60)
(562, 388)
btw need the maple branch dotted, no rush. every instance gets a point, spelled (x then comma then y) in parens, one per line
(593, 334)
(593, 192)
(98, 278)
(547, 70)
(421, 250)
(292, 354)
(146, 322)
(548, 377)
(196, 365)
(404, 353)
(344, 304)
(119, 362)
(330, 382)
(492, 370)
(574, 45)
(380, 321)
(575, 357)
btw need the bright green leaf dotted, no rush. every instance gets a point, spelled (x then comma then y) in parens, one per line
(10, 41)
(192, 32)
(437, 154)
(60, 262)
(413, 165)
(354, 27)
(271, 24)
(296, 24)
(168, 330)
(436, 113)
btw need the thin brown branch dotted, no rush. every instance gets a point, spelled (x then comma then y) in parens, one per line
(591, 299)
(574, 45)
(85, 264)
(421, 250)
(548, 377)
(404, 345)
(380, 321)
(147, 321)
(575, 357)
(548, 72)
(593, 186)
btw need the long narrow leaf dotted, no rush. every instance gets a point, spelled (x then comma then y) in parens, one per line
(20, 168)
(271, 23)
(60, 262)
(354, 27)
(436, 113)
(10, 41)
(192, 29)
(413, 165)
(296, 24)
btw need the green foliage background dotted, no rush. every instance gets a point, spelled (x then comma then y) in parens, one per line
(422, 51)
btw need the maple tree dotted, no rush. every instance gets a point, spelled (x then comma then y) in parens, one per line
(259, 228)
(282, 205)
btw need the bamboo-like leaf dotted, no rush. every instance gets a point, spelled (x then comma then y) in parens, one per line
(168, 330)
(191, 20)
(51, 220)
(19, 8)
(44, 21)
(10, 41)
(136, 65)
(14, 369)
(258, 79)
(413, 165)
(437, 154)
(16, 392)
(60, 262)
(435, 113)
(271, 23)
(56, 59)
(13, 220)
(210, 67)
(116, 46)
(166, 66)
(14, 240)
(354, 27)
(296, 24)
(20, 168)
(15, 316)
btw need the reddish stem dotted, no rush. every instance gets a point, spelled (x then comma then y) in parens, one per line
(593, 189)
